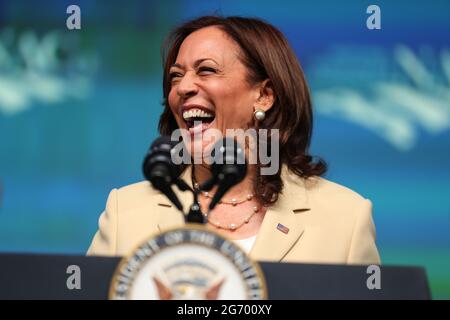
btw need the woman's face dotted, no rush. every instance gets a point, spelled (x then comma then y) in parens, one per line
(209, 86)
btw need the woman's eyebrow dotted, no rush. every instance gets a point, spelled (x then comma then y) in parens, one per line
(196, 63)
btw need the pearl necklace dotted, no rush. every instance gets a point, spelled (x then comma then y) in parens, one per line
(232, 226)
(233, 201)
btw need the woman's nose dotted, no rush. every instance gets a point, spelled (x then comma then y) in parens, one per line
(186, 86)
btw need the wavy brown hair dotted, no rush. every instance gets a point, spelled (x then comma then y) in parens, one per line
(267, 55)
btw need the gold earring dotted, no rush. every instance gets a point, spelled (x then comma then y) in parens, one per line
(259, 114)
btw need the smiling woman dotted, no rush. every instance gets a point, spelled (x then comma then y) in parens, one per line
(241, 73)
(234, 68)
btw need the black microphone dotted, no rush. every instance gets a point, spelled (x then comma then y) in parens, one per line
(160, 170)
(228, 168)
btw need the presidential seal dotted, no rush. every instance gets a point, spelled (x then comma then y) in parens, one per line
(188, 263)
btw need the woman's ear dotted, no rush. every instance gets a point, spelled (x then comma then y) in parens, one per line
(266, 97)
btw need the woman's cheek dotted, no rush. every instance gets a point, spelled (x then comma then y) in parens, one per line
(232, 119)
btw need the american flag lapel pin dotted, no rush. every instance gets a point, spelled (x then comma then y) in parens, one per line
(283, 228)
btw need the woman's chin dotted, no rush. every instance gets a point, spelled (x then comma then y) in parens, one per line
(200, 150)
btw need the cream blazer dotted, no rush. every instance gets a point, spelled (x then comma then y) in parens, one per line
(327, 223)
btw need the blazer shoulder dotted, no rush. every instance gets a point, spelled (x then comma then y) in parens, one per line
(338, 206)
(136, 194)
(318, 186)
(333, 199)
(137, 187)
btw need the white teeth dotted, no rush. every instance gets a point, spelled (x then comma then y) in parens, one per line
(196, 113)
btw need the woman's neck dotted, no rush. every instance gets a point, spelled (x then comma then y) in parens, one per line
(201, 174)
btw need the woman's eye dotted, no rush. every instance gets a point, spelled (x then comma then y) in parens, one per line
(206, 70)
(174, 75)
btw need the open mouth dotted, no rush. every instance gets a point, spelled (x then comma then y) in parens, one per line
(198, 119)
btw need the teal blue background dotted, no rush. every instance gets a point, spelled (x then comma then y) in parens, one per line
(65, 143)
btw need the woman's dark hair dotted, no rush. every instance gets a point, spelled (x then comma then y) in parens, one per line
(267, 55)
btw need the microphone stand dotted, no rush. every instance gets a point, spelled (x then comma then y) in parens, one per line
(195, 214)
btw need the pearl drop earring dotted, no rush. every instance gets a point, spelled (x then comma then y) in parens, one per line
(259, 114)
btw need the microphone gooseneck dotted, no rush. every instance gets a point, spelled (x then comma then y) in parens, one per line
(159, 169)
(228, 169)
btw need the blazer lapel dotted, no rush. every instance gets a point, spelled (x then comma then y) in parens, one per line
(282, 226)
